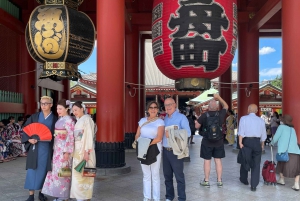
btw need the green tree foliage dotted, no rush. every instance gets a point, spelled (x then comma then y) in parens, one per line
(277, 82)
(72, 83)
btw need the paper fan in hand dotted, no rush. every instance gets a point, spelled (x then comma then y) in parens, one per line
(40, 130)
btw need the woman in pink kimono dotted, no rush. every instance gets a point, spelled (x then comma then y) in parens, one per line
(54, 185)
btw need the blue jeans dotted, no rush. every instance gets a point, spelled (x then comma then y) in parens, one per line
(171, 164)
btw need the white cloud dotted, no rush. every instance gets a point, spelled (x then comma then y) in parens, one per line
(279, 62)
(234, 65)
(270, 72)
(266, 50)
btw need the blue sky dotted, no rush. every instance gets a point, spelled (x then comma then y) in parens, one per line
(270, 56)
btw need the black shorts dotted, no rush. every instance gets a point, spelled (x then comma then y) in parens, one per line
(209, 152)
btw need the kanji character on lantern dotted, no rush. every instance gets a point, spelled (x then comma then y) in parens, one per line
(200, 17)
(187, 52)
(194, 41)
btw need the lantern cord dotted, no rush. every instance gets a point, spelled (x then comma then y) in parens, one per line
(6, 76)
(240, 82)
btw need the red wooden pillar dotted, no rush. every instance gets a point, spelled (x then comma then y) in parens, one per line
(110, 151)
(66, 93)
(290, 61)
(225, 89)
(248, 71)
(131, 76)
(28, 86)
(131, 90)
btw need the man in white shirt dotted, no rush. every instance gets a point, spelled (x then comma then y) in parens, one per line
(252, 134)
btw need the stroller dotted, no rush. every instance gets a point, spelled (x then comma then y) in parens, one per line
(269, 172)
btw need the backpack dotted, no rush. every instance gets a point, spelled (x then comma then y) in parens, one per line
(213, 129)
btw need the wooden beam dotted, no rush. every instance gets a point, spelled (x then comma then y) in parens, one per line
(270, 34)
(141, 18)
(253, 3)
(242, 5)
(131, 5)
(271, 27)
(127, 22)
(11, 22)
(243, 17)
(268, 10)
(145, 28)
(6, 107)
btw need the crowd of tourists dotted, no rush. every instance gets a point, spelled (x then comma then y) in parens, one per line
(10, 139)
(56, 165)
(165, 140)
(53, 166)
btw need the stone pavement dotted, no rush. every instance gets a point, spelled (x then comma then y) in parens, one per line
(129, 187)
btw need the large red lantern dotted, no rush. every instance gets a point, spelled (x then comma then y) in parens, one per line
(194, 41)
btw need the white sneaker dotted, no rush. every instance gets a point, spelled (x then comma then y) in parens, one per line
(281, 181)
(168, 200)
(296, 187)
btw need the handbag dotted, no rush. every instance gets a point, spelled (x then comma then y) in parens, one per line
(147, 122)
(284, 157)
(65, 171)
(89, 172)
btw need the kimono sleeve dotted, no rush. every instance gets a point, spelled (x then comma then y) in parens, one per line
(69, 126)
(89, 134)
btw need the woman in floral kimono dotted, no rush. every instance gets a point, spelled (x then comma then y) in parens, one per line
(63, 148)
(14, 137)
(82, 187)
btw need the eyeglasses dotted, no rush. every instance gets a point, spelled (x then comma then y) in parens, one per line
(169, 105)
(45, 104)
(152, 107)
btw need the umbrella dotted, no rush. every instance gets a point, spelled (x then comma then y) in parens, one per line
(202, 97)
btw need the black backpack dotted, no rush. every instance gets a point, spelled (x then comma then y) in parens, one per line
(213, 129)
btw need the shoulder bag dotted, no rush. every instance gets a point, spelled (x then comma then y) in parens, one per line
(147, 122)
(284, 157)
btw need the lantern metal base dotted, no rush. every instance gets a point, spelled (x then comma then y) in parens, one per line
(57, 71)
(192, 84)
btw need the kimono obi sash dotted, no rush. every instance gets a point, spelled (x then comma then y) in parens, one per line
(60, 134)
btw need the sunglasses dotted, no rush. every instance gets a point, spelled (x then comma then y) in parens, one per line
(152, 107)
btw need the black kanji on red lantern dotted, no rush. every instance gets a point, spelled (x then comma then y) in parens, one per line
(187, 52)
(203, 18)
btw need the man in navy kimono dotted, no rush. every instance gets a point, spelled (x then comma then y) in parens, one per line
(39, 153)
